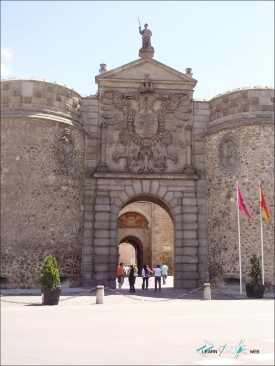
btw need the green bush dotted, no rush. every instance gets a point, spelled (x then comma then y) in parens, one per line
(255, 271)
(49, 274)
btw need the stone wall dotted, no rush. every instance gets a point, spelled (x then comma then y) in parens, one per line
(72, 164)
(42, 184)
(239, 147)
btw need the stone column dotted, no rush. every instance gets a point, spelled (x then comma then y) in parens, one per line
(102, 166)
(188, 145)
(189, 168)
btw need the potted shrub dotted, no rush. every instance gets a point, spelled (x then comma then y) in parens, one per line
(255, 289)
(50, 281)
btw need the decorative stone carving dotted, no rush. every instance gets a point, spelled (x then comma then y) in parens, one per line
(188, 72)
(132, 220)
(146, 87)
(144, 124)
(189, 169)
(64, 150)
(228, 151)
(102, 68)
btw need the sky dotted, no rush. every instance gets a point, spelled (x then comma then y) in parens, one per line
(228, 44)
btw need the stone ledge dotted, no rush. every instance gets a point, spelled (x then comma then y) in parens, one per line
(51, 116)
(138, 176)
(267, 120)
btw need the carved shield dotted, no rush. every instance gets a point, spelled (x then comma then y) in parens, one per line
(146, 124)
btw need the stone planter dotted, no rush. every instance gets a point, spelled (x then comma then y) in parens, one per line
(50, 296)
(256, 292)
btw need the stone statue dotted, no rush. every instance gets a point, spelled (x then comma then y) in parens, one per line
(228, 152)
(146, 37)
(64, 150)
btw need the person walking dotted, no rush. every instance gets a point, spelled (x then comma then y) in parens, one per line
(132, 278)
(164, 273)
(145, 276)
(157, 271)
(120, 275)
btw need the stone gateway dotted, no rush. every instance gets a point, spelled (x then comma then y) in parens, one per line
(141, 165)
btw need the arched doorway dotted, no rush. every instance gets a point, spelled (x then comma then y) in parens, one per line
(146, 223)
(133, 252)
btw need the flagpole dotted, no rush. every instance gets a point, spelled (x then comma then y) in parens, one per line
(262, 241)
(239, 235)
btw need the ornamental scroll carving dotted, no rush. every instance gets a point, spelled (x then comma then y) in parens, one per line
(64, 150)
(228, 152)
(145, 119)
(132, 220)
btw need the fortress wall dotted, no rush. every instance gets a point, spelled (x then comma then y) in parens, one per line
(89, 115)
(201, 118)
(239, 147)
(42, 183)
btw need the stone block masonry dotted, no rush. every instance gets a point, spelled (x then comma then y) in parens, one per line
(72, 165)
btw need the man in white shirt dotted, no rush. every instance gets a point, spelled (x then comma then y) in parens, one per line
(164, 273)
(157, 277)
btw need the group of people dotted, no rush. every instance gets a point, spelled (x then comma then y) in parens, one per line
(132, 273)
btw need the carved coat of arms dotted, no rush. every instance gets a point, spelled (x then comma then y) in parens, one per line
(143, 118)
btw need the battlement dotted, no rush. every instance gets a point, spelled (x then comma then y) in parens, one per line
(30, 96)
(241, 106)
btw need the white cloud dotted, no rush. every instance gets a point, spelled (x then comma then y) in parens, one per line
(6, 57)
(6, 53)
(4, 70)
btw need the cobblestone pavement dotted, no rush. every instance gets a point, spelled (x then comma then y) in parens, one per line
(83, 296)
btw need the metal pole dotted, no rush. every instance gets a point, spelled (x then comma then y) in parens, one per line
(239, 235)
(262, 240)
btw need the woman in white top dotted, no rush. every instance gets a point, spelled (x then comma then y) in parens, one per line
(145, 276)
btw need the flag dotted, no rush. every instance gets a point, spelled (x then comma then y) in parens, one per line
(263, 204)
(241, 203)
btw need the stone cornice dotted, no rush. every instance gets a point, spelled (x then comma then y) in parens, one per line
(266, 120)
(43, 116)
(171, 176)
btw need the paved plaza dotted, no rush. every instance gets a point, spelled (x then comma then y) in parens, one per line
(145, 328)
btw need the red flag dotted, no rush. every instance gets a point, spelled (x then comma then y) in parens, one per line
(263, 204)
(241, 203)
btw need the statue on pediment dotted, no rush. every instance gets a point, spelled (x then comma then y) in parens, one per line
(146, 37)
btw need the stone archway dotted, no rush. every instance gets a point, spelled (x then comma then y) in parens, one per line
(137, 244)
(150, 220)
(176, 194)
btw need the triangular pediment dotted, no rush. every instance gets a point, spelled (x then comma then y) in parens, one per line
(136, 71)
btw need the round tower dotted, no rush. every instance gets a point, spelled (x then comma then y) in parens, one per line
(43, 160)
(239, 146)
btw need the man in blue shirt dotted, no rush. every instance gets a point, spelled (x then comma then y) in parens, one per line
(164, 273)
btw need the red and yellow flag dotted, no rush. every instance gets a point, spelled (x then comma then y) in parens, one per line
(263, 204)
